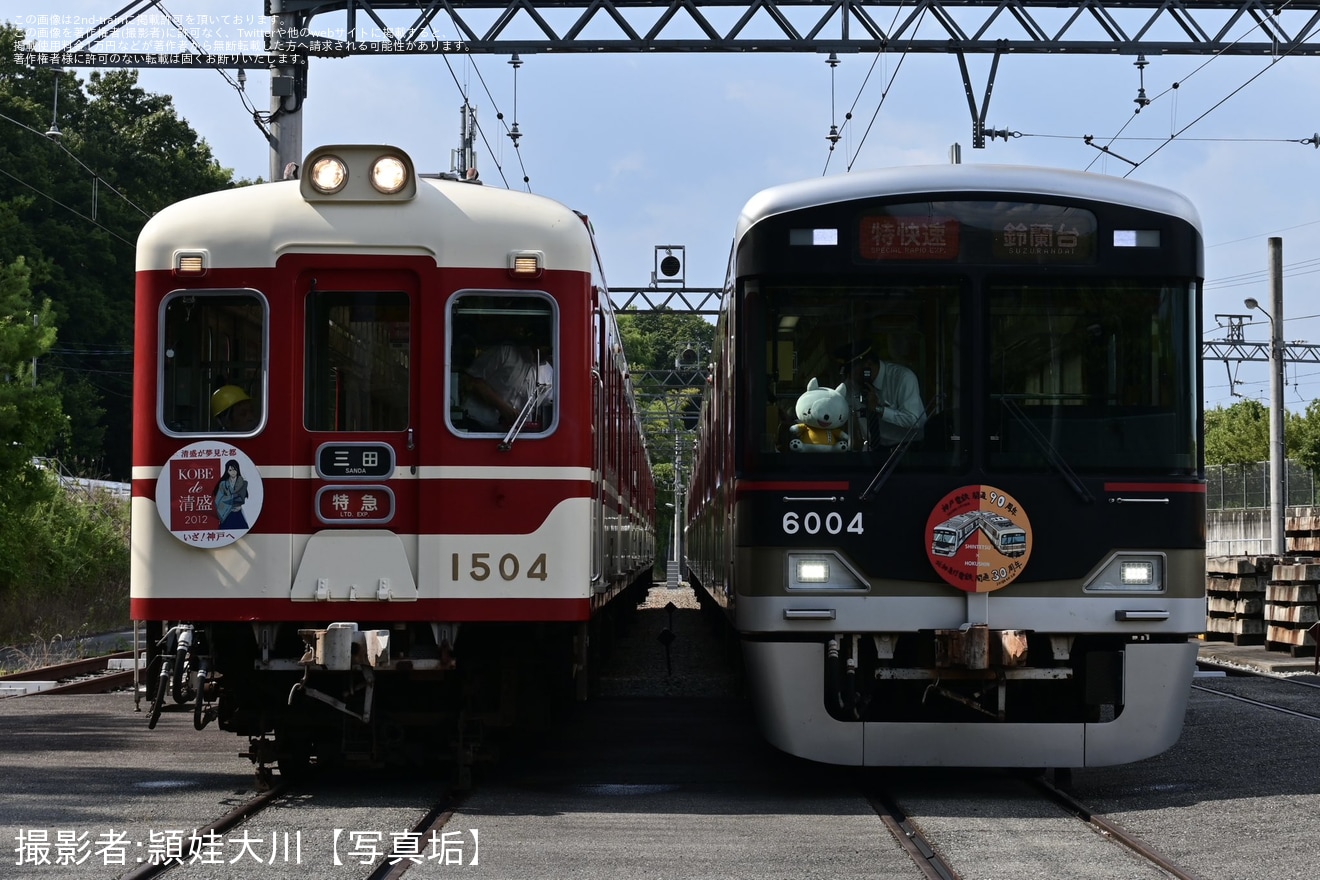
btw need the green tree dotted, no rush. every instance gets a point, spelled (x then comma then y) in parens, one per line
(30, 415)
(72, 206)
(669, 396)
(1306, 431)
(1240, 434)
(63, 560)
(668, 353)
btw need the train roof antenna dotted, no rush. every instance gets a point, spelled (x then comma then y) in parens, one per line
(463, 161)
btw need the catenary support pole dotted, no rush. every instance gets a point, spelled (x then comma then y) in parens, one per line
(1278, 457)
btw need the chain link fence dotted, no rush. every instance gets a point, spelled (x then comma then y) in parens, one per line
(1247, 486)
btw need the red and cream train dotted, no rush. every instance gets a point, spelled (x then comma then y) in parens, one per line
(335, 554)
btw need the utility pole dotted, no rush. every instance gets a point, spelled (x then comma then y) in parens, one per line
(1278, 456)
(287, 90)
(675, 573)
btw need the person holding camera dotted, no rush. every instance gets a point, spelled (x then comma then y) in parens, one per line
(885, 396)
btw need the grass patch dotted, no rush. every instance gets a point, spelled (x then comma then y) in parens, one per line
(63, 571)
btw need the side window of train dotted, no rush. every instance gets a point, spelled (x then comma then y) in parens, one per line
(213, 355)
(501, 363)
(357, 370)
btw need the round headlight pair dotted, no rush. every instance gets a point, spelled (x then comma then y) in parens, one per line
(389, 174)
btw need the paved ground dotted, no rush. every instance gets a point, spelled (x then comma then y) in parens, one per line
(1255, 657)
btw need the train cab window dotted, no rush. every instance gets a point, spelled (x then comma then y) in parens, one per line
(501, 363)
(213, 355)
(894, 354)
(358, 361)
(1099, 374)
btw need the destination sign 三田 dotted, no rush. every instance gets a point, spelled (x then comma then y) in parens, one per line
(355, 461)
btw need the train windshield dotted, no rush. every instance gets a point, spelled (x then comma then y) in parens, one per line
(1097, 372)
(884, 365)
(358, 361)
(213, 362)
(1089, 373)
(501, 363)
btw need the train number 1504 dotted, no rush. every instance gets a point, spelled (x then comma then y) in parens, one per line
(813, 523)
(484, 566)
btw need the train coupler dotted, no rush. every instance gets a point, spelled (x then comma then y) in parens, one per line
(976, 646)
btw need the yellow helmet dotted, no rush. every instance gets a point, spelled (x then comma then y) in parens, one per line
(226, 396)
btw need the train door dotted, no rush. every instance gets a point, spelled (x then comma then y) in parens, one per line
(359, 408)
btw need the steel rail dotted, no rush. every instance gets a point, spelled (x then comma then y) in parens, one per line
(1258, 703)
(435, 819)
(1112, 830)
(148, 870)
(97, 684)
(909, 837)
(84, 666)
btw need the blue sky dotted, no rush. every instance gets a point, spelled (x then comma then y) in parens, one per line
(666, 148)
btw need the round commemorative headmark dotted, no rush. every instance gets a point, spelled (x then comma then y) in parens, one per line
(209, 494)
(978, 538)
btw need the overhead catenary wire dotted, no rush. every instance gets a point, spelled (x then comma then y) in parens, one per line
(261, 119)
(96, 177)
(1203, 115)
(71, 210)
(856, 100)
(499, 115)
(1260, 24)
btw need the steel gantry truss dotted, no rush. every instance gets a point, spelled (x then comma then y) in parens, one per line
(1235, 348)
(1128, 27)
(994, 26)
(293, 31)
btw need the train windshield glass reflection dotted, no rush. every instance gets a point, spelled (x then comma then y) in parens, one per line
(1099, 371)
(501, 357)
(840, 335)
(357, 361)
(212, 358)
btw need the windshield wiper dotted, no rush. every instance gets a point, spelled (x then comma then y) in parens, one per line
(932, 408)
(1055, 458)
(541, 393)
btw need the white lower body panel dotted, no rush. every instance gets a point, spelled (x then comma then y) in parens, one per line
(787, 682)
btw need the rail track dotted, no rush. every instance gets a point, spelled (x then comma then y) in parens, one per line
(929, 848)
(1289, 683)
(89, 675)
(422, 843)
(949, 825)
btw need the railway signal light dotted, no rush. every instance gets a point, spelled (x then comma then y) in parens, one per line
(670, 267)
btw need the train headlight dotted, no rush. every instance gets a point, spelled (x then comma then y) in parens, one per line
(389, 174)
(343, 173)
(1137, 574)
(813, 571)
(822, 571)
(329, 174)
(1130, 572)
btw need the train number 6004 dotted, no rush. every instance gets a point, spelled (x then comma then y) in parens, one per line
(813, 523)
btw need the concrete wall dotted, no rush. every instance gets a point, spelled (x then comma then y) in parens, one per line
(1243, 532)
